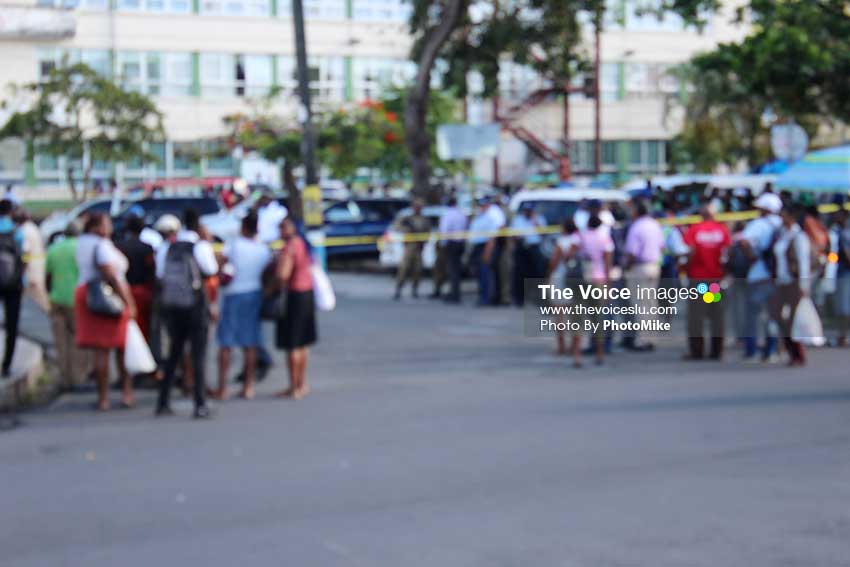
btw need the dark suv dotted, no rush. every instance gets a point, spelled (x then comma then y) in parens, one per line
(152, 208)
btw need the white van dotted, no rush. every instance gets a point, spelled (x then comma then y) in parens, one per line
(557, 205)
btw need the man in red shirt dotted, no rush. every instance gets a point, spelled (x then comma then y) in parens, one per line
(708, 241)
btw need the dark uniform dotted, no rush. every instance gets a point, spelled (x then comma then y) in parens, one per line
(411, 262)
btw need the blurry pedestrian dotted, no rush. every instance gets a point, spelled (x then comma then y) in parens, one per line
(242, 296)
(99, 260)
(167, 227)
(565, 271)
(61, 279)
(412, 226)
(528, 259)
(452, 224)
(793, 255)
(297, 331)
(270, 214)
(757, 243)
(34, 284)
(707, 242)
(12, 266)
(141, 275)
(181, 267)
(597, 251)
(644, 246)
(842, 287)
(483, 233)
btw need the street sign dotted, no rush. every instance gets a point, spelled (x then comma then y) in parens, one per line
(465, 141)
(789, 142)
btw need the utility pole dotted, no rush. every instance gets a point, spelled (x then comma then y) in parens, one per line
(597, 129)
(311, 202)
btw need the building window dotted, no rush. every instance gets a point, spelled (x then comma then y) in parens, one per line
(172, 6)
(257, 8)
(257, 71)
(316, 9)
(326, 75)
(372, 75)
(516, 82)
(609, 81)
(224, 74)
(167, 74)
(381, 10)
(52, 58)
(218, 74)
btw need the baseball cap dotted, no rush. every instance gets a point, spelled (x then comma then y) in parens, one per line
(167, 223)
(768, 202)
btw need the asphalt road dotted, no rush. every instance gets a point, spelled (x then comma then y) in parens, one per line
(440, 436)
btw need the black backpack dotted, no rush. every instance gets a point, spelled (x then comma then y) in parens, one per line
(181, 284)
(739, 262)
(11, 262)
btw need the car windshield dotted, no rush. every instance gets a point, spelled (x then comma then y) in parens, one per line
(555, 212)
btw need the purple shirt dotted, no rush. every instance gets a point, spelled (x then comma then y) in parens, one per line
(645, 241)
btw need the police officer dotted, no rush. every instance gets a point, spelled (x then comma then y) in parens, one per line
(413, 226)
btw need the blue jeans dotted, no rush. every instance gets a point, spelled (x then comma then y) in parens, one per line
(755, 317)
(486, 275)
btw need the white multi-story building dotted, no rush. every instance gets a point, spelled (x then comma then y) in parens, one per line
(205, 59)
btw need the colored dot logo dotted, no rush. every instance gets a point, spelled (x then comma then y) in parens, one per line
(710, 293)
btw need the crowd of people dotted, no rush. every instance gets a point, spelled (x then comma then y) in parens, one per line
(176, 286)
(765, 266)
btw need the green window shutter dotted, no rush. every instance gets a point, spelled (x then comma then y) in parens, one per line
(196, 73)
(349, 84)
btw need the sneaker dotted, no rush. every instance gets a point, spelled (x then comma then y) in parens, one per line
(202, 412)
(772, 359)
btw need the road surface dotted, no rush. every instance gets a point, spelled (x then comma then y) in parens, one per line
(440, 436)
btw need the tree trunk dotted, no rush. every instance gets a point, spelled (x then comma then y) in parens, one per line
(416, 109)
(296, 204)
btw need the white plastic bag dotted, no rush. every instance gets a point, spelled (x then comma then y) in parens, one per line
(806, 327)
(137, 355)
(322, 289)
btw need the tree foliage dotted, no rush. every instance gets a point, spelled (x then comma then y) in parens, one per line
(794, 64)
(75, 110)
(368, 134)
(550, 36)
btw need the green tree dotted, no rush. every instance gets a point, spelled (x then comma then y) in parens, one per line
(794, 64)
(551, 36)
(74, 110)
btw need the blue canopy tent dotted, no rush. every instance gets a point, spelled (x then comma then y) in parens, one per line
(823, 171)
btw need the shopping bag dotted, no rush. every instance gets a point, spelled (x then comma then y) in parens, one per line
(322, 289)
(806, 327)
(137, 356)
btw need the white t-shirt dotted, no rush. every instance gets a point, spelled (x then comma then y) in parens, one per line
(249, 258)
(203, 253)
(268, 221)
(107, 254)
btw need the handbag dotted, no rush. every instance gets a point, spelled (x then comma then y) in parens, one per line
(101, 298)
(273, 307)
(324, 291)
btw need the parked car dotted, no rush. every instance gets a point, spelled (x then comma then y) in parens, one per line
(56, 222)
(367, 218)
(557, 205)
(152, 208)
